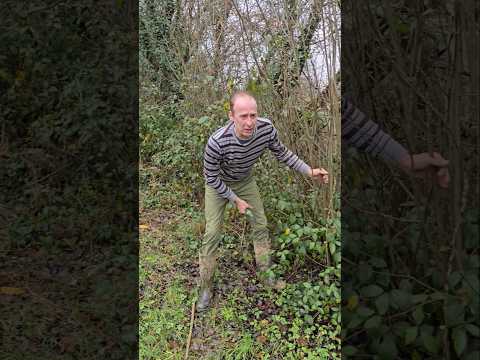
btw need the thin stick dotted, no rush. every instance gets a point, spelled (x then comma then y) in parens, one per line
(192, 317)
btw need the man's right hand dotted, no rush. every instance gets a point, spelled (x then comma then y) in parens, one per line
(242, 206)
(424, 163)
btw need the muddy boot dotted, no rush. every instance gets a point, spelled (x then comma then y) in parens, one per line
(207, 270)
(263, 262)
(204, 299)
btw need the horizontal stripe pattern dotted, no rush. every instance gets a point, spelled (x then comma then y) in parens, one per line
(365, 135)
(228, 160)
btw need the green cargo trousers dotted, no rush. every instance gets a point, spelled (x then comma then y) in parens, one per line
(246, 190)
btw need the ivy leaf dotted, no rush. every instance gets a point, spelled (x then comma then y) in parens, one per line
(401, 298)
(473, 356)
(365, 272)
(203, 120)
(387, 348)
(473, 330)
(371, 291)
(365, 312)
(459, 337)
(411, 334)
(332, 248)
(382, 304)
(454, 314)
(348, 350)
(430, 343)
(454, 278)
(354, 322)
(418, 315)
(378, 263)
(352, 302)
(373, 322)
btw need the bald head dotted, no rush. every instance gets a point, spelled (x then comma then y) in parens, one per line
(243, 112)
(240, 95)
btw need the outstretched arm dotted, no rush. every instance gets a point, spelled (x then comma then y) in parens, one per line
(361, 132)
(293, 161)
(365, 135)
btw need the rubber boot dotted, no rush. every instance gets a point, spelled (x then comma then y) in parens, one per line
(263, 261)
(207, 270)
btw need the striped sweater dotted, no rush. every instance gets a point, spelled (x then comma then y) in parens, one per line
(228, 158)
(365, 135)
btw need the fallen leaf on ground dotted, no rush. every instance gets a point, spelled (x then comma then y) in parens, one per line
(302, 341)
(144, 226)
(11, 290)
(264, 322)
(261, 339)
(280, 285)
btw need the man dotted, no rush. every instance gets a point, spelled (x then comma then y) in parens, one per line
(229, 156)
(232, 151)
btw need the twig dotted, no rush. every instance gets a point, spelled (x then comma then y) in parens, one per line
(192, 317)
(370, 212)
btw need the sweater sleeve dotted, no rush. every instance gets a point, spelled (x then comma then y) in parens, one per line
(211, 170)
(365, 135)
(285, 155)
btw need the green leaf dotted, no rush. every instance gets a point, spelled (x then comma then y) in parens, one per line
(473, 356)
(473, 330)
(454, 314)
(419, 298)
(332, 248)
(401, 298)
(364, 272)
(365, 312)
(354, 322)
(387, 348)
(459, 337)
(373, 322)
(472, 281)
(378, 263)
(430, 343)
(371, 291)
(382, 304)
(454, 278)
(203, 119)
(411, 334)
(348, 350)
(418, 314)
(438, 296)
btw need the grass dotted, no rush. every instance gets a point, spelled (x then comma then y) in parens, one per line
(168, 271)
(244, 321)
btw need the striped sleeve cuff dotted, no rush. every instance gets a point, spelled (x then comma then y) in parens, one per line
(304, 168)
(393, 151)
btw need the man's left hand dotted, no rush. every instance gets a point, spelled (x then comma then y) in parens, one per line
(320, 175)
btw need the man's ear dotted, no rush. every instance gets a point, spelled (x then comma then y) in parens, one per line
(230, 115)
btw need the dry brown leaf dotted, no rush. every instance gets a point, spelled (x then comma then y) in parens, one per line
(261, 339)
(280, 284)
(6, 290)
(302, 341)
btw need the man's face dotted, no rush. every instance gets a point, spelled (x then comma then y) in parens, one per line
(244, 115)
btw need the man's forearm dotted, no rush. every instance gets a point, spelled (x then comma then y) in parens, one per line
(221, 188)
(286, 156)
(365, 135)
